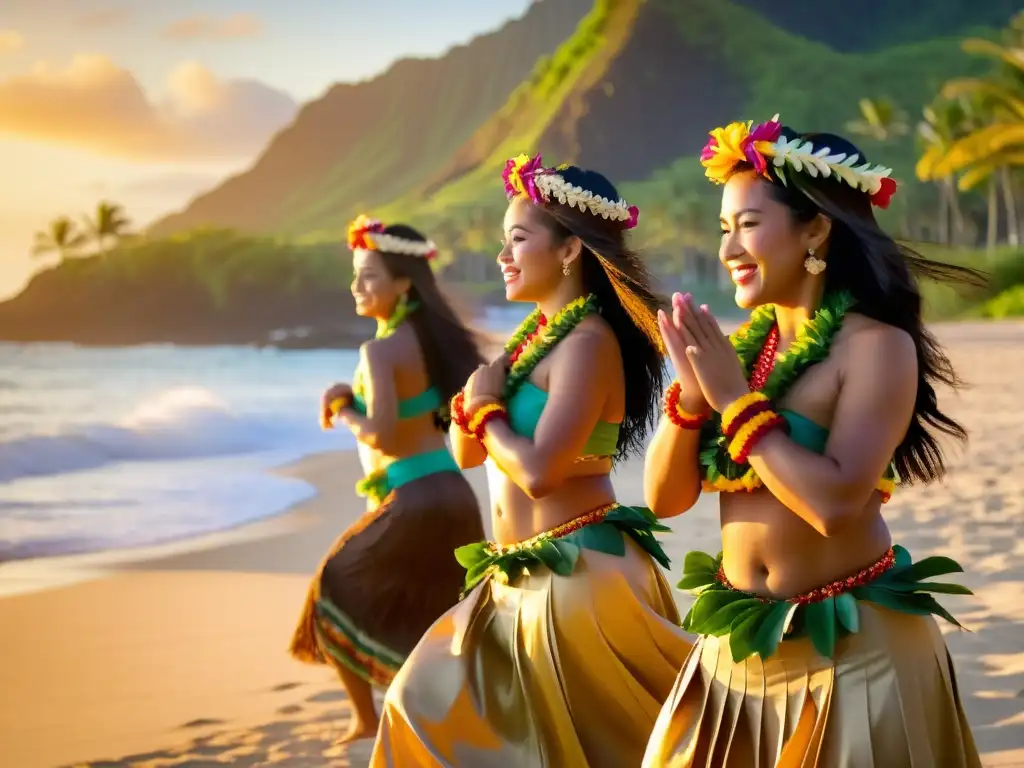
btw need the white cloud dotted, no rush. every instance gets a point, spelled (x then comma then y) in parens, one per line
(94, 104)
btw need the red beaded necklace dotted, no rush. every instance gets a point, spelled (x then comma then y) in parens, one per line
(765, 361)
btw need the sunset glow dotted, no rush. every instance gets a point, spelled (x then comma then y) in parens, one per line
(150, 105)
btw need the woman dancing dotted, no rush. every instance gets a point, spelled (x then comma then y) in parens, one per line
(817, 645)
(392, 573)
(568, 641)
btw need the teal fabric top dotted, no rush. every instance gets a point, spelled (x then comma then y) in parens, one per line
(427, 401)
(814, 437)
(526, 406)
(403, 471)
(805, 432)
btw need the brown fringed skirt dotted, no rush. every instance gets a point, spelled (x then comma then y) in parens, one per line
(388, 577)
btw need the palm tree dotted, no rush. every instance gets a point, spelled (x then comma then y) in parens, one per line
(944, 122)
(992, 149)
(880, 120)
(110, 223)
(61, 237)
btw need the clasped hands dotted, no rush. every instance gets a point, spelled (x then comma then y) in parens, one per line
(485, 385)
(706, 364)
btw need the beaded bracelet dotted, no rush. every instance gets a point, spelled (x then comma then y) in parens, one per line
(742, 409)
(458, 413)
(746, 421)
(483, 416)
(677, 415)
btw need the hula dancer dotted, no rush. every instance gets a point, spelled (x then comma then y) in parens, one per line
(392, 573)
(817, 643)
(568, 641)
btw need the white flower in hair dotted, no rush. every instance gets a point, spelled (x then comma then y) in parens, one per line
(368, 234)
(528, 176)
(738, 143)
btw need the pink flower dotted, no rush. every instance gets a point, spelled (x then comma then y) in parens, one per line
(634, 217)
(507, 176)
(519, 177)
(709, 149)
(765, 133)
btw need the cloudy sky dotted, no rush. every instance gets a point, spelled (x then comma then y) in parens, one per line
(147, 103)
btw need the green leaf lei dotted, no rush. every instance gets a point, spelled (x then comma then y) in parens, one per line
(811, 346)
(403, 309)
(757, 624)
(560, 326)
(560, 553)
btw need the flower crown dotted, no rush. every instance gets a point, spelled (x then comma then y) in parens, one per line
(528, 176)
(368, 234)
(736, 143)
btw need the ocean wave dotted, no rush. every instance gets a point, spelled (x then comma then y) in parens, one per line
(180, 423)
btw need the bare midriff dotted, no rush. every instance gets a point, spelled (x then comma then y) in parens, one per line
(516, 517)
(770, 551)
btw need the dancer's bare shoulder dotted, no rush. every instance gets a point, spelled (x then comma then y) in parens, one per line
(390, 350)
(871, 347)
(592, 338)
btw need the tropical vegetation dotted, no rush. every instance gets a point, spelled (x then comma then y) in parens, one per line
(966, 146)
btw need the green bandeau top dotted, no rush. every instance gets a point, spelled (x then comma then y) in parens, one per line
(814, 437)
(526, 406)
(427, 401)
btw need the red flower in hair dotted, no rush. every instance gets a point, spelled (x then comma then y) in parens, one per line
(358, 229)
(883, 196)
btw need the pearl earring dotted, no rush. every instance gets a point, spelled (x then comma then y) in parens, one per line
(813, 265)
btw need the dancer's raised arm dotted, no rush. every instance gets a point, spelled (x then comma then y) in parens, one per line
(377, 427)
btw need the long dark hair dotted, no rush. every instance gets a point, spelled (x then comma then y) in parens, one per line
(882, 275)
(449, 348)
(629, 303)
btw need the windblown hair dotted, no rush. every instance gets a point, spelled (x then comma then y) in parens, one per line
(627, 298)
(882, 275)
(448, 345)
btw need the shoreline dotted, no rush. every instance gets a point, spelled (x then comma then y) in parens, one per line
(41, 572)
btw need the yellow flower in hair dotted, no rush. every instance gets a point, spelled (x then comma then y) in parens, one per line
(735, 144)
(723, 152)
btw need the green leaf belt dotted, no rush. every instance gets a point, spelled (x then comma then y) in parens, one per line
(600, 530)
(757, 624)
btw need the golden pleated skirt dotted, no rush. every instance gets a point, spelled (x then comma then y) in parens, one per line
(889, 699)
(548, 671)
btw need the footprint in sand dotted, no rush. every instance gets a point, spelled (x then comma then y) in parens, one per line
(202, 722)
(326, 696)
(289, 709)
(284, 687)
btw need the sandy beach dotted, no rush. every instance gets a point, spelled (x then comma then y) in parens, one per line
(176, 655)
